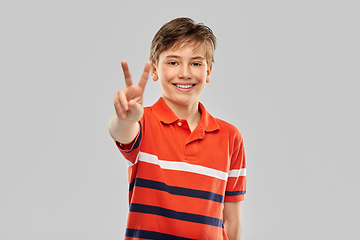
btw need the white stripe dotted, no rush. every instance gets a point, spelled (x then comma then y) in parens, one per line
(182, 166)
(130, 163)
(237, 172)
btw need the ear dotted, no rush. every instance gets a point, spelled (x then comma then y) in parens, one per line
(154, 74)
(208, 73)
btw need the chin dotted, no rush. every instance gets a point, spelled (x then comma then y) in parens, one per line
(186, 101)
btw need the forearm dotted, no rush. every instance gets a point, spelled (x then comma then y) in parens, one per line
(123, 131)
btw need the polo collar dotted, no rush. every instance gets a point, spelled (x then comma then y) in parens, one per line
(167, 116)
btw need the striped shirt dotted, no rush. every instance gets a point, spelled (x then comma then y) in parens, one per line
(179, 180)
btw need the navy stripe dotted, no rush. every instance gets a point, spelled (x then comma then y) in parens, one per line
(152, 235)
(189, 217)
(234, 193)
(139, 182)
(137, 143)
(131, 185)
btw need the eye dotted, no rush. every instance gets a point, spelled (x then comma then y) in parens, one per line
(197, 64)
(172, 63)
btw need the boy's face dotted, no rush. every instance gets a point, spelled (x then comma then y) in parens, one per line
(182, 73)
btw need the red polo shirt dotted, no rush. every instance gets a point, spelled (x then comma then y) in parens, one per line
(180, 179)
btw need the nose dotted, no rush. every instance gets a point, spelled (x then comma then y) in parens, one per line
(185, 72)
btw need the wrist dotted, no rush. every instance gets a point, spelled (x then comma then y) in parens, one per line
(123, 131)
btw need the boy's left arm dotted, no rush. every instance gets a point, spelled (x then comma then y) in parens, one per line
(232, 220)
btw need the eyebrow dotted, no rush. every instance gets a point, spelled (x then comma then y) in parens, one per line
(194, 58)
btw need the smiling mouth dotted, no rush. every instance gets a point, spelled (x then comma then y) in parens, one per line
(184, 86)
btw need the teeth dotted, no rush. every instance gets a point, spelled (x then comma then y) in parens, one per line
(184, 86)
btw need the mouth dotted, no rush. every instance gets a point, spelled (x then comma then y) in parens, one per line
(184, 86)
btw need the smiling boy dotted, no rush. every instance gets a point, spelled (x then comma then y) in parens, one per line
(186, 168)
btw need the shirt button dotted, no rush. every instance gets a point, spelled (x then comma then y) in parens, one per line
(179, 124)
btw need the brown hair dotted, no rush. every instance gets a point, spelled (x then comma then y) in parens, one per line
(179, 32)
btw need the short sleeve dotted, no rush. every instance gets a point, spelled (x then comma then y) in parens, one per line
(236, 184)
(131, 150)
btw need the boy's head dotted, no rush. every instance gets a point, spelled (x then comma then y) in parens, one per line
(180, 32)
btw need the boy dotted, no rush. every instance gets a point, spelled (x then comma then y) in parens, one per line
(186, 168)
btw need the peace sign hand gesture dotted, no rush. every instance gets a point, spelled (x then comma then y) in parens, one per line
(128, 101)
(123, 126)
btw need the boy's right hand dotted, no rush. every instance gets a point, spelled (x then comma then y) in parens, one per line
(128, 101)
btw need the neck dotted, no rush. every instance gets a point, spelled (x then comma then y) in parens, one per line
(188, 112)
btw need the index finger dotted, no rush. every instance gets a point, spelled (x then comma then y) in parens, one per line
(127, 74)
(145, 75)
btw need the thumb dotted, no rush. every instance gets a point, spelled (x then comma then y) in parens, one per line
(135, 104)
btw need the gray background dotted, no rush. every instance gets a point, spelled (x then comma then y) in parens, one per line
(286, 73)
